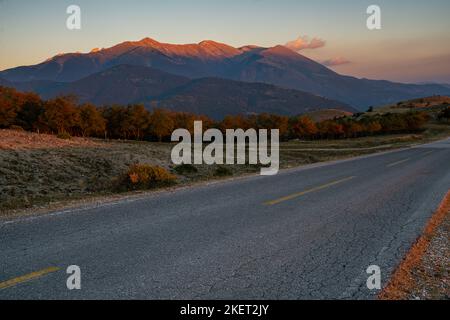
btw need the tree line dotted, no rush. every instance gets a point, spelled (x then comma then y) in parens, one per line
(63, 115)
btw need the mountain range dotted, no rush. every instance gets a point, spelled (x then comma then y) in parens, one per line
(208, 76)
(214, 97)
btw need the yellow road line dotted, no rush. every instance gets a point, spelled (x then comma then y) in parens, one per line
(298, 194)
(398, 162)
(27, 277)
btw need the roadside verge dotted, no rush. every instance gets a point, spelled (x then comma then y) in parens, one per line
(424, 272)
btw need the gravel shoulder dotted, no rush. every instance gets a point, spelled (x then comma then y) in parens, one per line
(424, 274)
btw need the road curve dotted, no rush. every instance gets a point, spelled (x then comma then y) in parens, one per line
(305, 233)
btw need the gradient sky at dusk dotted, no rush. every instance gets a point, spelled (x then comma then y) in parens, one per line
(412, 46)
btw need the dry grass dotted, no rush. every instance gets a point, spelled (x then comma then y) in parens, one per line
(424, 272)
(20, 140)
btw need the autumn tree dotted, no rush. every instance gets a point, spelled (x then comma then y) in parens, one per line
(302, 127)
(184, 120)
(30, 111)
(330, 129)
(352, 129)
(10, 102)
(207, 122)
(116, 121)
(373, 127)
(92, 122)
(235, 122)
(137, 120)
(161, 124)
(61, 115)
(272, 121)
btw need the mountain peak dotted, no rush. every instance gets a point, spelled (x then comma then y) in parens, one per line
(282, 50)
(207, 43)
(250, 47)
(217, 49)
(148, 42)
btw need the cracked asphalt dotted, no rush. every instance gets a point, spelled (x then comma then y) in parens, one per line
(223, 241)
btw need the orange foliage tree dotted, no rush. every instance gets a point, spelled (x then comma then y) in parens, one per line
(161, 123)
(61, 115)
(302, 128)
(92, 122)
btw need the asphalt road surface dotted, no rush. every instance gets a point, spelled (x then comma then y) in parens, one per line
(305, 233)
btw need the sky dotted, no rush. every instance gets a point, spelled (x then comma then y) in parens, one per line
(413, 44)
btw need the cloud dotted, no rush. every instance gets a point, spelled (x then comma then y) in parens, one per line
(303, 42)
(335, 62)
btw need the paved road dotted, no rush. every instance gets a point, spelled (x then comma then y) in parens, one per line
(305, 233)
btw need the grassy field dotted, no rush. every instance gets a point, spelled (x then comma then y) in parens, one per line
(37, 170)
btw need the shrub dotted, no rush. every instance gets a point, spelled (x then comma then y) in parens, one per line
(185, 169)
(64, 135)
(444, 115)
(16, 128)
(145, 176)
(223, 171)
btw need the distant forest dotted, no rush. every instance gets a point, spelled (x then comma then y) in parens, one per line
(65, 117)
